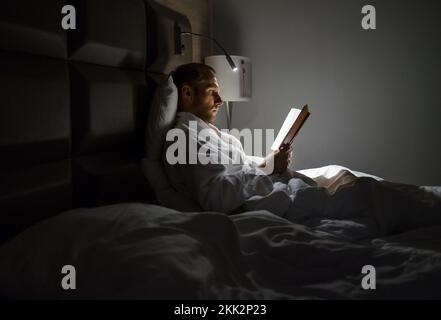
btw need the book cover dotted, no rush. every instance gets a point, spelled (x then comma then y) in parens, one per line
(291, 127)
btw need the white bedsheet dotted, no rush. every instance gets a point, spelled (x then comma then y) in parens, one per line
(147, 252)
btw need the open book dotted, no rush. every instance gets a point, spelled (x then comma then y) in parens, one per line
(291, 127)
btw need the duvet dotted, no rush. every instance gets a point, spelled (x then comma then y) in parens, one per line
(139, 251)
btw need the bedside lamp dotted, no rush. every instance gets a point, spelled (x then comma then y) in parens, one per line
(235, 86)
(179, 47)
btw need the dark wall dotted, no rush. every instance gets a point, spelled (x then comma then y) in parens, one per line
(374, 95)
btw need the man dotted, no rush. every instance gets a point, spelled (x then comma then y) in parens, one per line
(218, 186)
(245, 183)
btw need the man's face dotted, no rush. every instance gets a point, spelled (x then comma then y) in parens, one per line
(207, 101)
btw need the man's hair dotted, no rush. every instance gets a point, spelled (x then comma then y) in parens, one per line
(192, 74)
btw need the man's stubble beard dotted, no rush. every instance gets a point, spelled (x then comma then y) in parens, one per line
(206, 113)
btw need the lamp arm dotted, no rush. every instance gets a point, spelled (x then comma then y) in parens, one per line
(227, 56)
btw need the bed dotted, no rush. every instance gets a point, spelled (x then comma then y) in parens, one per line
(72, 191)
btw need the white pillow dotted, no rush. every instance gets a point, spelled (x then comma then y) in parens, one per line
(165, 194)
(161, 117)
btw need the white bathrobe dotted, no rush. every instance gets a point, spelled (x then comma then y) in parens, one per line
(238, 184)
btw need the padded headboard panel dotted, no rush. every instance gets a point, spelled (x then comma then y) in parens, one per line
(74, 103)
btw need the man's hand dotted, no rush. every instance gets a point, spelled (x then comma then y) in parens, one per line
(282, 158)
(278, 161)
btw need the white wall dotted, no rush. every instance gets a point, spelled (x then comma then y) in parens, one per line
(374, 96)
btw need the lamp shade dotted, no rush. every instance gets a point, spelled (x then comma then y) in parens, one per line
(235, 86)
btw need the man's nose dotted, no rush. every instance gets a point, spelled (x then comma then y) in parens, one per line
(219, 99)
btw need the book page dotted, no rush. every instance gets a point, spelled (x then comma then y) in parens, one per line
(289, 121)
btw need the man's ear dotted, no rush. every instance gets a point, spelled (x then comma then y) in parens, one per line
(187, 93)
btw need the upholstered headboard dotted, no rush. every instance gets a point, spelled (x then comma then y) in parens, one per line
(74, 103)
